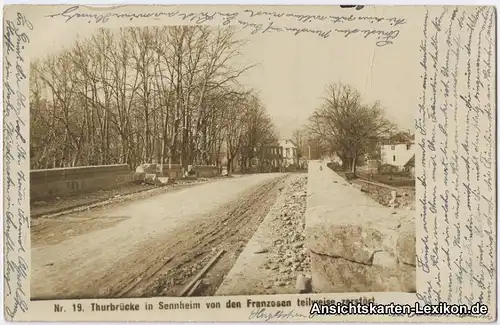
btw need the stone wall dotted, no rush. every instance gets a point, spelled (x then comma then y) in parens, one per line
(48, 183)
(206, 171)
(356, 244)
(175, 170)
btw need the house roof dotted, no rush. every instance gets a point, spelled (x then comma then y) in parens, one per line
(283, 141)
(399, 138)
(411, 162)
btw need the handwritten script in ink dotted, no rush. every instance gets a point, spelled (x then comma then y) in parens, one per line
(456, 186)
(16, 161)
(382, 30)
(264, 315)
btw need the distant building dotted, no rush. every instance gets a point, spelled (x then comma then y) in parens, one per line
(269, 158)
(398, 150)
(410, 166)
(290, 156)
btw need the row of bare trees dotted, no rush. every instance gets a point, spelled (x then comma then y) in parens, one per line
(137, 95)
(347, 127)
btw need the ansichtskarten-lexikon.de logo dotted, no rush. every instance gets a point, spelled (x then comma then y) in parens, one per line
(370, 308)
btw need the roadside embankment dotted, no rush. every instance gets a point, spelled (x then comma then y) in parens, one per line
(356, 244)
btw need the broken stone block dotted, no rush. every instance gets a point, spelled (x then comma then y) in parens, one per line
(392, 202)
(164, 180)
(190, 172)
(150, 179)
(148, 169)
(138, 178)
(303, 284)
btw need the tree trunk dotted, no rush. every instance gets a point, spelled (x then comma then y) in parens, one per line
(229, 163)
(354, 164)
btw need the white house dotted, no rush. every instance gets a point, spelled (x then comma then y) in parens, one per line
(398, 150)
(289, 152)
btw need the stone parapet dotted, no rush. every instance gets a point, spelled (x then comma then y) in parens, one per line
(356, 244)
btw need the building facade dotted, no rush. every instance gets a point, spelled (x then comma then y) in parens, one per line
(397, 152)
(290, 156)
(270, 158)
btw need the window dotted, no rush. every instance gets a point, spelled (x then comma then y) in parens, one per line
(393, 158)
(288, 152)
(393, 147)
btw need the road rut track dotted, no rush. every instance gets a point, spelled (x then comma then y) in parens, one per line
(162, 266)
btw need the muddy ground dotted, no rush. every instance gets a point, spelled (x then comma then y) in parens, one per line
(276, 256)
(160, 263)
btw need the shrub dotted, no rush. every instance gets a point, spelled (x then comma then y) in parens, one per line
(388, 169)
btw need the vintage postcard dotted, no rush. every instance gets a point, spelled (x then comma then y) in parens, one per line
(249, 163)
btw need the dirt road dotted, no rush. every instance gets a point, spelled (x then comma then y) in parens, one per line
(150, 247)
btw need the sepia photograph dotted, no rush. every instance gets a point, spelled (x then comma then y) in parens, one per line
(249, 163)
(171, 161)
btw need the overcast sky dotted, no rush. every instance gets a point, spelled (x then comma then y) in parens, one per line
(292, 77)
(293, 71)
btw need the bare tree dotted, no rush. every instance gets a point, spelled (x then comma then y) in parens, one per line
(348, 126)
(134, 95)
(259, 131)
(301, 139)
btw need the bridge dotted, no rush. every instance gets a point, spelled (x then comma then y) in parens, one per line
(247, 234)
(48, 183)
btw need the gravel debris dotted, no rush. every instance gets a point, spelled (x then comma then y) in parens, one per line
(287, 256)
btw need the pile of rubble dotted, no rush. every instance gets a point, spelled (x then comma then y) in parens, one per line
(288, 257)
